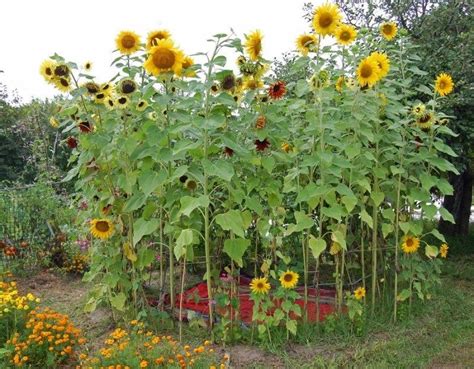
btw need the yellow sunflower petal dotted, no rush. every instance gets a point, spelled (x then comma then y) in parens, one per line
(127, 42)
(444, 84)
(306, 43)
(253, 45)
(101, 228)
(388, 30)
(163, 58)
(345, 34)
(326, 19)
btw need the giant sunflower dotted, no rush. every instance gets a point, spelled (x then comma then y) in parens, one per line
(253, 44)
(260, 286)
(127, 42)
(388, 30)
(410, 244)
(164, 57)
(155, 36)
(326, 18)
(289, 279)
(368, 72)
(47, 70)
(444, 84)
(382, 62)
(306, 43)
(345, 34)
(101, 228)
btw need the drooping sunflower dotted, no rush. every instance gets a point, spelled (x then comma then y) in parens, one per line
(277, 90)
(426, 120)
(319, 80)
(382, 62)
(419, 110)
(306, 43)
(154, 36)
(101, 228)
(61, 70)
(359, 293)
(340, 83)
(410, 244)
(262, 145)
(47, 70)
(164, 57)
(127, 42)
(444, 84)
(142, 105)
(127, 86)
(228, 82)
(63, 84)
(326, 18)
(345, 34)
(253, 45)
(260, 286)
(368, 72)
(443, 251)
(289, 279)
(388, 30)
(122, 101)
(87, 66)
(85, 127)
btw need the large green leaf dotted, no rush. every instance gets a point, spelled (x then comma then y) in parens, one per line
(118, 301)
(317, 246)
(188, 203)
(185, 238)
(141, 228)
(236, 249)
(220, 168)
(232, 221)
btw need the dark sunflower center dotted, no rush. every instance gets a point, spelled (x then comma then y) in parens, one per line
(409, 242)
(366, 71)
(92, 88)
(276, 88)
(122, 100)
(100, 96)
(306, 41)
(228, 83)
(260, 285)
(325, 20)
(140, 104)
(102, 226)
(48, 71)
(110, 102)
(128, 87)
(442, 84)
(156, 37)
(64, 82)
(425, 118)
(128, 41)
(61, 70)
(288, 277)
(387, 29)
(345, 36)
(163, 58)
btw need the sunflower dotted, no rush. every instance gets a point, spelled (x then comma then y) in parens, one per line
(251, 83)
(127, 42)
(443, 251)
(444, 84)
(345, 34)
(85, 127)
(188, 62)
(142, 105)
(53, 122)
(368, 72)
(190, 184)
(306, 43)
(99, 98)
(101, 228)
(71, 142)
(91, 87)
(425, 121)
(61, 70)
(253, 45)
(277, 90)
(87, 66)
(155, 36)
(286, 147)
(388, 30)
(319, 80)
(289, 279)
(410, 244)
(109, 103)
(122, 101)
(382, 62)
(152, 115)
(260, 285)
(340, 83)
(359, 293)
(127, 86)
(63, 84)
(228, 82)
(351, 84)
(228, 151)
(47, 70)
(164, 57)
(107, 88)
(262, 145)
(326, 18)
(261, 122)
(419, 110)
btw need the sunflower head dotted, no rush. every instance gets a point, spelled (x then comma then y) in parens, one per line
(359, 293)
(127, 86)
(262, 145)
(251, 83)
(101, 228)
(277, 90)
(47, 70)
(340, 83)
(228, 151)
(426, 120)
(306, 43)
(71, 142)
(155, 36)
(368, 72)
(388, 30)
(122, 101)
(345, 34)
(260, 286)
(410, 244)
(443, 251)
(253, 45)
(53, 122)
(163, 58)
(188, 62)
(91, 87)
(190, 184)
(127, 42)
(326, 19)
(444, 84)
(286, 147)
(382, 61)
(109, 102)
(289, 279)
(87, 66)
(319, 80)
(228, 83)
(418, 110)
(63, 84)
(142, 105)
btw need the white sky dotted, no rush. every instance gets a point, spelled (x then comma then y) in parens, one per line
(84, 30)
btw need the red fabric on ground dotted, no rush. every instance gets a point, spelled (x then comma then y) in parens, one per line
(196, 299)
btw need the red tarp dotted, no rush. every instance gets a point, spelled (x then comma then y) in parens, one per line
(196, 299)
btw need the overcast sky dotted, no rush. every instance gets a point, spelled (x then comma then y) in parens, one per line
(84, 30)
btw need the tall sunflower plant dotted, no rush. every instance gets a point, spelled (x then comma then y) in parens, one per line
(227, 165)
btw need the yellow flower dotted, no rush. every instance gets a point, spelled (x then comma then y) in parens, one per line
(419, 110)
(359, 293)
(155, 36)
(122, 102)
(47, 70)
(143, 364)
(53, 122)
(443, 251)
(444, 84)
(326, 18)
(188, 62)
(128, 42)
(252, 83)
(368, 72)
(382, 62)
(351, 84)
(63, 84)
(425, 121)
(253, 45)
(101, 228)
(340, 83)
(388, 30)
(345, 34)
(306, 43)
(410, 244)
(289, 279)
(142, 105)
(260, 285)
(87, 66)
(286, 147)
(164, 57)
